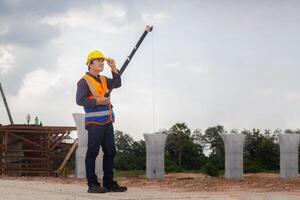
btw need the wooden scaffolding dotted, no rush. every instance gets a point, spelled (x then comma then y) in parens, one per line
(32, 150)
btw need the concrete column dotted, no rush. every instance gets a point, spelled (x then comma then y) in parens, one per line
(289, 155)
(155, 159)
(82, 148)
(234, 145)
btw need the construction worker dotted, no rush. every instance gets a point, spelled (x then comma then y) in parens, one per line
(99, 120)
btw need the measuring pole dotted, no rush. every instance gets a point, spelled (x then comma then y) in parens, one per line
(147, 30)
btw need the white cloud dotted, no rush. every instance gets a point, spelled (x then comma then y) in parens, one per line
(7, 58)
(44, 94)
(201, 69)
(155, 18)
(266, 92)
(189, 68)
(102, 18)
(3, 29)
(293, 96)
(173, 65)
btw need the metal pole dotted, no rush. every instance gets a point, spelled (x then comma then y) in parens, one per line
(6, 105)
(147, 30)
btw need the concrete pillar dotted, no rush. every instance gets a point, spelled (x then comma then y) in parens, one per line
(289, 155)
(155, 159)
(82, 148)
(234, 146)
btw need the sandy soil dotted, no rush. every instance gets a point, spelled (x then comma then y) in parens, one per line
(174, 186)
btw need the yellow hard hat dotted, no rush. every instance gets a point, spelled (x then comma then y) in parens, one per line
(94, 55)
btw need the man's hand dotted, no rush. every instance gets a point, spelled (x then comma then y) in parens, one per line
(102, 100)
(111, 63)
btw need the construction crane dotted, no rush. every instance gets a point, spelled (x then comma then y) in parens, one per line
(6, 105)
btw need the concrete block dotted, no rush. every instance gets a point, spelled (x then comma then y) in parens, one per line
(234, 146)
(155, 157)
(82, 148)
(81, 131)
(289, 155)
(80, 165)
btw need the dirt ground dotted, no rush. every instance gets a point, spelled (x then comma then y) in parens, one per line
(174, 186)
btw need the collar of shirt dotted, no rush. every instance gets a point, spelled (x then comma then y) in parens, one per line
(96, 78)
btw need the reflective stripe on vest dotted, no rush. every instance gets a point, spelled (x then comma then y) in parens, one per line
(101, 114)
(96, 114)
(91, 86)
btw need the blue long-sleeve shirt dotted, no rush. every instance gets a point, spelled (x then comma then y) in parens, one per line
(83, 91)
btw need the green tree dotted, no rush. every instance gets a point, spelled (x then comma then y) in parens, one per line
(178, 135)
(131, 155)
(182, 150)
(123, 142)
(139, 154)
(261, 150)
(213, 142)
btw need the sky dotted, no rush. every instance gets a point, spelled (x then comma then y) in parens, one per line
(233, 63)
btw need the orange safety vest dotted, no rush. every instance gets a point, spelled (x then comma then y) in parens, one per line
(101, 114)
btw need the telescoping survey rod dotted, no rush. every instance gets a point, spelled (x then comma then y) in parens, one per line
(147, 30)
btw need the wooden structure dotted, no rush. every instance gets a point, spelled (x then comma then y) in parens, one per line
(32, 150)
(67, 158)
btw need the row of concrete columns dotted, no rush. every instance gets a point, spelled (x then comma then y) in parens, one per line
(234, 145)
(155, 148)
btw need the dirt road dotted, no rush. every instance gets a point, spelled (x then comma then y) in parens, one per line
(175, 186)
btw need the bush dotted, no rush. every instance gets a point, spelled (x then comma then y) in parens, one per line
(210, 169)
(171, 166)
(124, 162)
(252, 167)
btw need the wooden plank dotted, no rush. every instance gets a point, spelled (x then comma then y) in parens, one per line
(5, 139)
(48, 153)
(25, 150)
(4, 153)
(59, 141)
(42, 171)
(27, 140)
(29, 131)
(70, 153)
(55, 138)
(25, 158)
(27, 168)
(35, 127)
(18, 140)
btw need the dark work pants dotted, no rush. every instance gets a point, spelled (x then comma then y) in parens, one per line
(100, 135)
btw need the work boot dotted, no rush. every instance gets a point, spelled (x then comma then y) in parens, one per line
(96, 189)
(115, 187)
